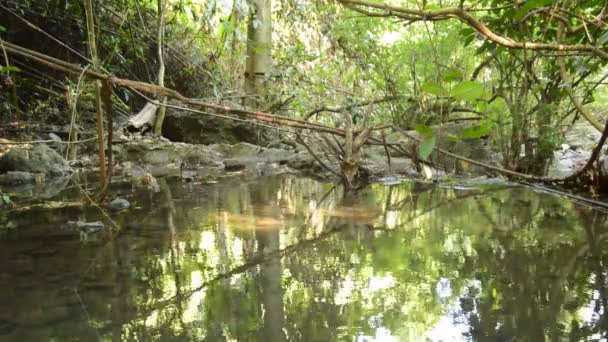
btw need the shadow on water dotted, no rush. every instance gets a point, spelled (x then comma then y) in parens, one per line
(292, 259)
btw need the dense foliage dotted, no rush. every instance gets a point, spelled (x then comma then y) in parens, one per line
(329, 54)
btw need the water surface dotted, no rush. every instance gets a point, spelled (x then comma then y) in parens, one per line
(292, 259)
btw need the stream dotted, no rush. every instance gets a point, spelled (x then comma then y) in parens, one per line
(287, 258)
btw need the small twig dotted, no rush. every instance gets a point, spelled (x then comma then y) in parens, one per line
(93, 203)
(341, 109)
(314, 155)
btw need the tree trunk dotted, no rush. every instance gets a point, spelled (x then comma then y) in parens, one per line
(160, 116)
(94, 58)
(259, 51)
(354, 139)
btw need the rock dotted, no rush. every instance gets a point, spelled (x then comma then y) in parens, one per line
(85, 227)
(188, 176)
(37, 159)
(301, 160)
(195, 128)
(6, 327)
(158, 153)
(13, 178)
(139, 177)
(120, 204)
(238, 151)
(231, 165)
(145, 159)
(35, 185)
(565, 147)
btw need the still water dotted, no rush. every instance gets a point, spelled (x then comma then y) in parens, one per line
(292, 259)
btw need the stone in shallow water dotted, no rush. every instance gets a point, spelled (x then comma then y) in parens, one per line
(120, 204)
(86, 227)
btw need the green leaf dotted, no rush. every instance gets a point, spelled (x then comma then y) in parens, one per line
(2, 28)
(467, 31)
(467, 90)
(424, 130)
(9, 68)
(426, 148)
(454, 138)
(603, 39)
(225, 29)
(433, 88)
(485, 47)
(528, 6)
(475, 132)
(498, 108)
(452, 75)
(468, 40)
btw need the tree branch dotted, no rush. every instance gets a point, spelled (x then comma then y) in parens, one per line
(469, 19)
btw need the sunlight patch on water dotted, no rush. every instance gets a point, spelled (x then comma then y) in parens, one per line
(237, 248)
(193, 309)
(392, 219)
(452, 326)
(382, 335)
(377, 283)
(345, 291)
(207, 241)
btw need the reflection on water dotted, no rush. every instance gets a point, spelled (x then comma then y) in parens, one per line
(288, 259)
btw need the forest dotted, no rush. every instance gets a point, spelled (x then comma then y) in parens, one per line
(306, 170)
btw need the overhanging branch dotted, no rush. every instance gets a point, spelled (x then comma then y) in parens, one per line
(363, 6)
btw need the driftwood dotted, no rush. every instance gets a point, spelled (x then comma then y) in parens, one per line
(145, 117)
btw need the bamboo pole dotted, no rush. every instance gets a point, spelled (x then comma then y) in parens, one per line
(93, 48)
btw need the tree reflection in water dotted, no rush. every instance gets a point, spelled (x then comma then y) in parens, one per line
(287, 258)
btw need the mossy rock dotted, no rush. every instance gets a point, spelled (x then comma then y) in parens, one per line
(36, 159)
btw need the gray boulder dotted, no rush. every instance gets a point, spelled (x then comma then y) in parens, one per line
(39, 159)
(20, 178)
(194, 128)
